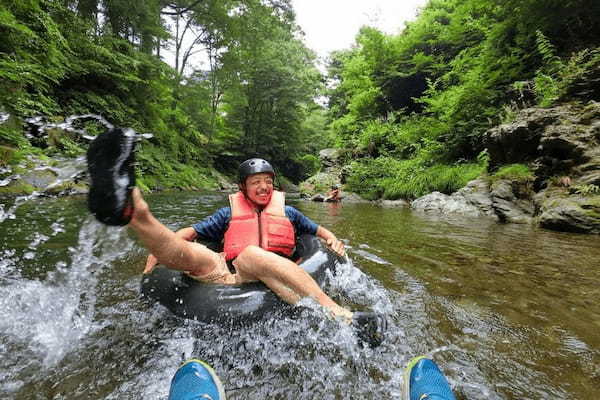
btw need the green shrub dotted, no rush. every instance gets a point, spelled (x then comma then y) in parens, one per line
(393, 179)
(439, 178)
(519, 172)
(310, 164)
(585, 190)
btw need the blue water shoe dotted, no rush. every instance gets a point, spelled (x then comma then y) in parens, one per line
(196, 380)
(423, 380)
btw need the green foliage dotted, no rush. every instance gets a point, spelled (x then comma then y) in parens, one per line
(546, 84)
(310, 164)
(420, 102)
(585, 190)
(392, 179)
(63, 58)
(9, 156)
(518, 172)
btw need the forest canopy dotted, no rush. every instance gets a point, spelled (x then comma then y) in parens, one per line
(250, 96)
(411, 109)
(408, 111)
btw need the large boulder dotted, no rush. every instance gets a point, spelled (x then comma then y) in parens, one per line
(329, 157)
(511, 203)
(437, 202)
(504, 200)
(562, 146)
(552, 140)
(561, 211)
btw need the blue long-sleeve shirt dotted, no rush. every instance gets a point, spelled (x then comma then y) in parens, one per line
(213, 227)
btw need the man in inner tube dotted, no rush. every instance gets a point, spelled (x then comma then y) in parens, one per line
(257, 231)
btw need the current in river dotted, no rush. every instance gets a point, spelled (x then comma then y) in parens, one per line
(506, 311)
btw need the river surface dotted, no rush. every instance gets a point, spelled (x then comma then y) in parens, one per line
(507, 311)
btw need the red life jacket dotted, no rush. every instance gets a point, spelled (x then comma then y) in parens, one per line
(270, 228)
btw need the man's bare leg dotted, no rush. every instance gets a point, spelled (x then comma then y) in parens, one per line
(168, 248)
(284, 277)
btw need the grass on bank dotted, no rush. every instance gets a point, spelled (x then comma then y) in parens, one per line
(392, 179)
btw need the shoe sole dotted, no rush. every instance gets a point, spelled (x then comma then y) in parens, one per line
(110, 165)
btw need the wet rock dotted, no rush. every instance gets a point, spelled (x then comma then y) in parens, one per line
(349, 197)
(318, 197)
(329, 157)
(477, 194)
(40, 178)
(393, 203)
(509, 204)
(437, 202)
(569, 213)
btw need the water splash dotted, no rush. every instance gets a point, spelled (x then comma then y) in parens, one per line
(49, 318)
(351, 283)
(19, 200)
(40, 125)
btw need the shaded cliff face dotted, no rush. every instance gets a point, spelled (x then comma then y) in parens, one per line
(562, 146)
(557, 141)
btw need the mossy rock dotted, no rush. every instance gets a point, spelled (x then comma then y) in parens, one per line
(40, 178)
(68, 188)
(319, 183)
(571, 214)
(17, 188)
(9, 155)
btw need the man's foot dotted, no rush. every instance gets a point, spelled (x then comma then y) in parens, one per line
(424, 380)
(370, 327)
(110, 160)
(196, 380)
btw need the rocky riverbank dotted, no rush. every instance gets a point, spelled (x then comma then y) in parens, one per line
(561, 148)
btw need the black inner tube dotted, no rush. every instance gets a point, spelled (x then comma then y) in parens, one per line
(189, 298)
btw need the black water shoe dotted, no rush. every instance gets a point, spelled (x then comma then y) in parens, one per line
(370, 327)
(110, 160)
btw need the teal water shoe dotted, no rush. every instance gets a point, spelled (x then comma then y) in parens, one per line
(423, 380)
(196, 380)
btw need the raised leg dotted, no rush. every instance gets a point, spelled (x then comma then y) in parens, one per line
(168, 248)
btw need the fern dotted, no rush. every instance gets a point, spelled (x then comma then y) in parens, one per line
(548, 52)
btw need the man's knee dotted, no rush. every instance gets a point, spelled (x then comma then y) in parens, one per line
(249, 257)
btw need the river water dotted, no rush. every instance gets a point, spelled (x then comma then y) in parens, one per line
(507, 311)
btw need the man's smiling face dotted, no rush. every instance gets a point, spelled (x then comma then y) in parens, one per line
(259, 188)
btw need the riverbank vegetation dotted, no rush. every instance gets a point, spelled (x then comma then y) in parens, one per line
(409, 111)
(250, 93)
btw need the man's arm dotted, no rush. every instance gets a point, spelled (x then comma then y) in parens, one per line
(331, 240)
(188, 234)
(303, 224)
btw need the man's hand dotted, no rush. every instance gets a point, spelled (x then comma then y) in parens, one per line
(150, 264)
(337, 246)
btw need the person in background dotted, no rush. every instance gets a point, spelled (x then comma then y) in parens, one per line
(334, 195)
